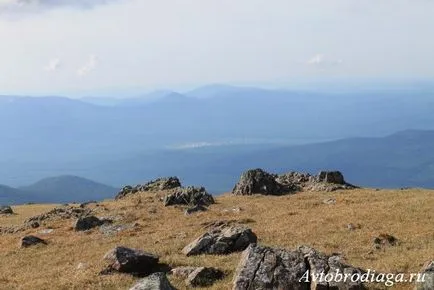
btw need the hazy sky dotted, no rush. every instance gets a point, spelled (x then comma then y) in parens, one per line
(61, 46)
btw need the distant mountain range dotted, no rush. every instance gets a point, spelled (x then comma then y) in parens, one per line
(211, 134)
(59, 189)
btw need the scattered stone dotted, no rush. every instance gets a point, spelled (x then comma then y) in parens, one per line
(111, 230)
(46, 231)
(28, 241)
(329, 201)
(126, 260)
(5, 209)
(84, 204)
(263, 268)
(81, 266)
(156, 281)
(203, 276)
(385, 240)
(257, 181)
(34, 225)
(221, 241)
(191, 196)
(353, 227)
(233, 210)
(158, 184)
(182, 272)
(428, 277)
(196, 208)
(88, 222)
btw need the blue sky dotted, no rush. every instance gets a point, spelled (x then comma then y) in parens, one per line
(64, 46)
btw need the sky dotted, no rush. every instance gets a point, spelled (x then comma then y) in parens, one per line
(82, 46)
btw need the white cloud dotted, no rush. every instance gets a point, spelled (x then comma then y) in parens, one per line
(321, 60)
(53, 65)
(89, 66)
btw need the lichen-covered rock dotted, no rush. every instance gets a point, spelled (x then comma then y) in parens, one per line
(221, 241)
(191, 196)
(265, 268)
(156, 281)
(427, 273)
(203, 276)
(29, 241)
(158, 184)
(5, 209)
(131, 261)
(182, 272)
(257, 181)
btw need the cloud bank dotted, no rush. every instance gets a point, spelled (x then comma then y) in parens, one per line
(89, 66)
(17, 6)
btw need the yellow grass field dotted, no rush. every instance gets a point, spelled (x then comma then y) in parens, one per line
(284, 221)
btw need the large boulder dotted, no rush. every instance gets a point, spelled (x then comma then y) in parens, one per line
(5, 209)
(156, 281)
(427, 273)
(190, 195)
(158, 184)
(257, 181)
(263, 268)
(131, 261)
(29, 241)
(221, 241)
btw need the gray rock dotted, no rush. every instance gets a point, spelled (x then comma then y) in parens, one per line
(203, 276)
(156, 281)
(29, 241)
(221, 241)
(131, 261)
(257, 181)
(158, 184)
(67, 212)
(5, 209)
(428, 277)
(182, 272)
(335, 177)
(196, 208)
(263, 268)
(384, 240)
(87, 223)
(191, 196)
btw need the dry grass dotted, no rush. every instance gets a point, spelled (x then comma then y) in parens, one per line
(286, 221)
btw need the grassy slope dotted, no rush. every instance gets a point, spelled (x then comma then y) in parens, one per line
(285, 221)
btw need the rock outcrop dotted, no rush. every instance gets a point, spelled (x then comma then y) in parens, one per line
(428, 277)
(5, 209)
(67, 212)
(257, 181)
(221, 241)
(158, 184)
(156, 281)
(133, 261)
(264, 268)
(191, 196)
(29, 241)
